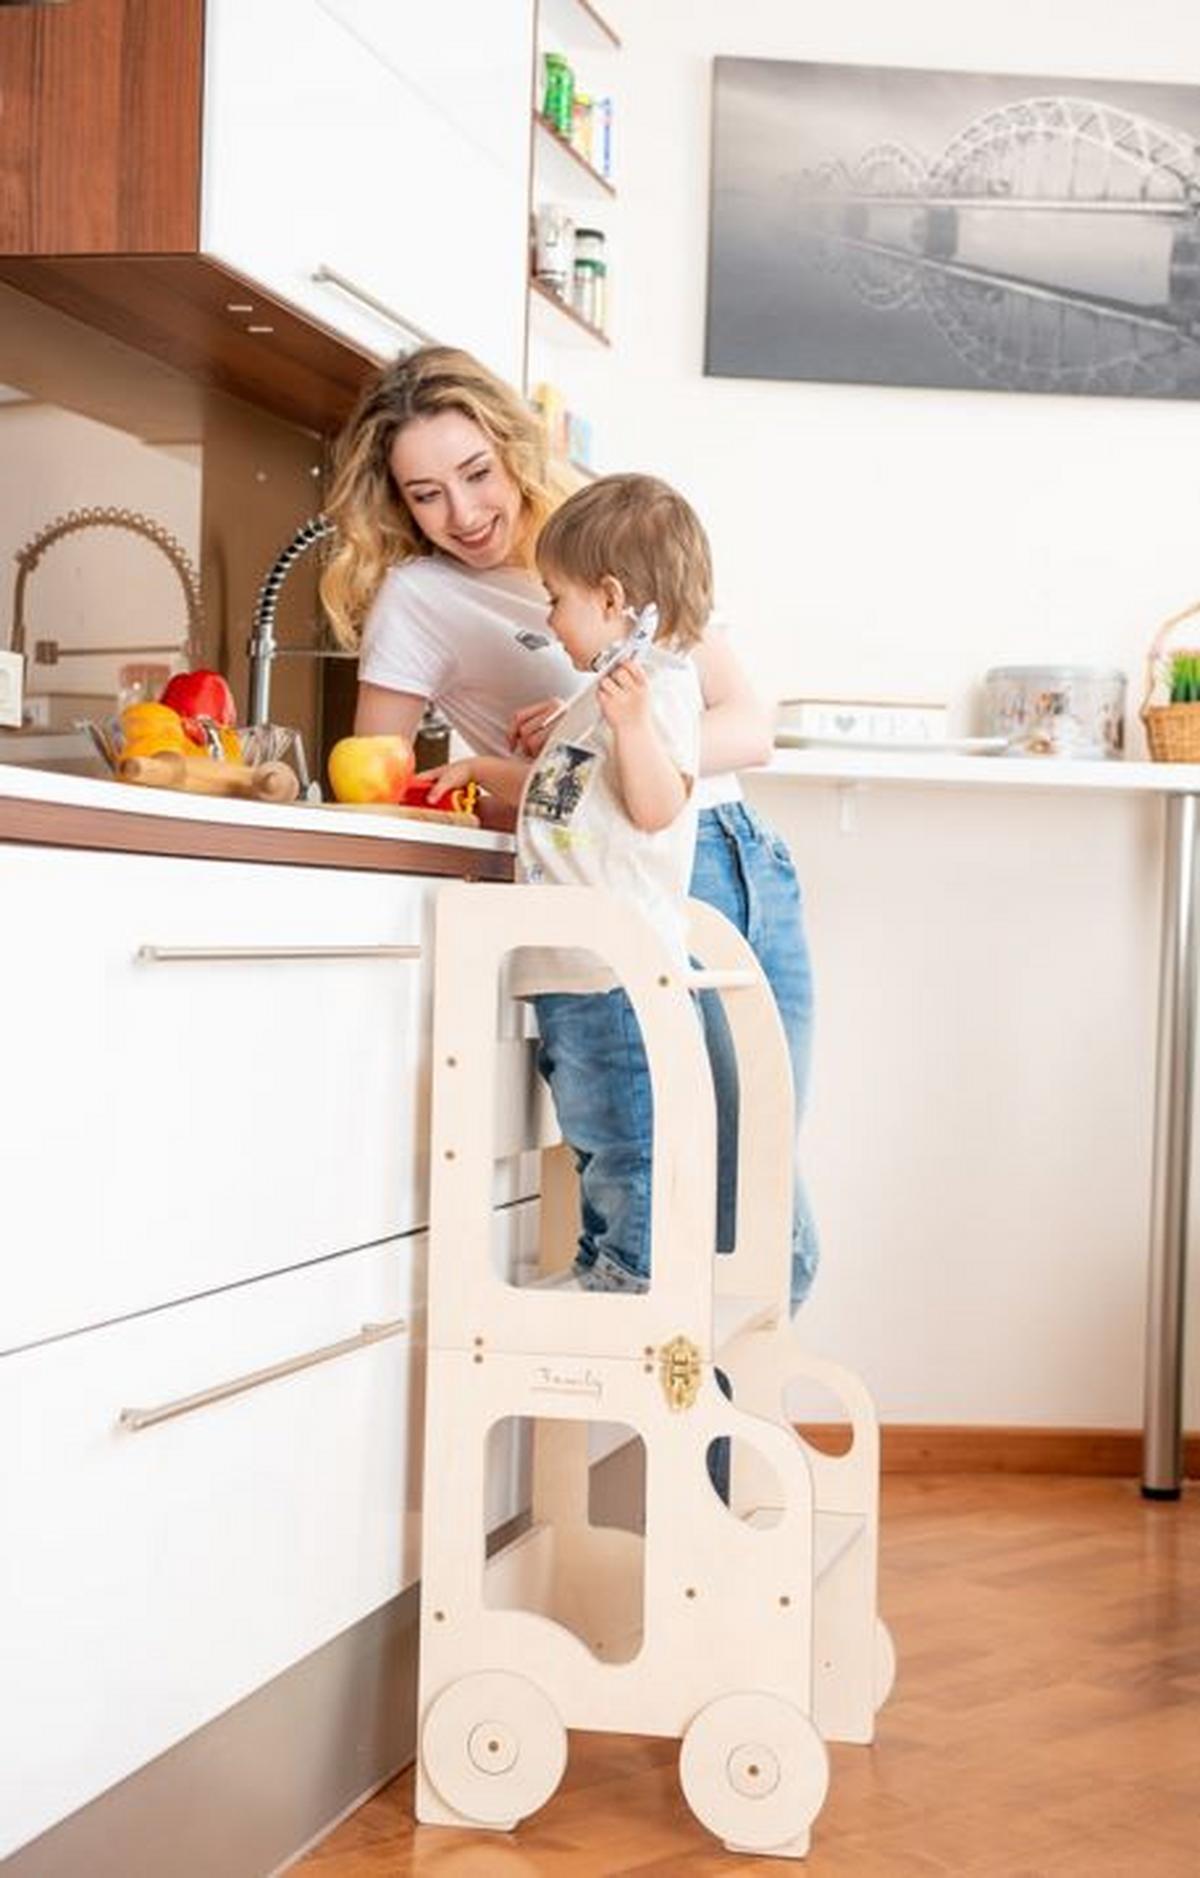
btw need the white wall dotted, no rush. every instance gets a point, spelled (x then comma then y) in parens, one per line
(979, 1135)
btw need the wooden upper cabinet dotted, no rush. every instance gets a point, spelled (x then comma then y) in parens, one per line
(100, 115)
(101, 166)
(272, 195)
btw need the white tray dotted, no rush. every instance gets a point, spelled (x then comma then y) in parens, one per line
(924, 746)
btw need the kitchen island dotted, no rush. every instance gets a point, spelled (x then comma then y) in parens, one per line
(214, 1162)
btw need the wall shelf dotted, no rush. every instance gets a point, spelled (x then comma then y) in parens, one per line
(561, 322)
(566, 172)
(1120, 777)
(568, 359)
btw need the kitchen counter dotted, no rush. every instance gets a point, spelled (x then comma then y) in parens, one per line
(55, 810)
(1177, 786)
(825, 764)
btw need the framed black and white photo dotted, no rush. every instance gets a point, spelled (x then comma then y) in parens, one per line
(872, 225)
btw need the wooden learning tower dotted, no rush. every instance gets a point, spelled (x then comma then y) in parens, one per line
(749, 1631)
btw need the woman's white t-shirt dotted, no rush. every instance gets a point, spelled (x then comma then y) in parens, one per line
(476, 644)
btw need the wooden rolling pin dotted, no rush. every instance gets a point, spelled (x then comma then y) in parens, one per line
(202, 775)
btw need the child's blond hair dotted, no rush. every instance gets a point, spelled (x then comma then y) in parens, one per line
(643, 533)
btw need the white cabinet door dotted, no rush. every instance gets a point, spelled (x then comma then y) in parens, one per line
(170, 1128)
(332, 145)
(149, 1578)
(470, 62)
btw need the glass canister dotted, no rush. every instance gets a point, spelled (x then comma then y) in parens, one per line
(587, 291)
(589, 244)
(1056, 710)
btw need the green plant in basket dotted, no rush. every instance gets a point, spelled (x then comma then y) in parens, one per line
(1183, 677)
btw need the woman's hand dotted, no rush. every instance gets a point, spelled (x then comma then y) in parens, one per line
(624, 698)
(527, 727)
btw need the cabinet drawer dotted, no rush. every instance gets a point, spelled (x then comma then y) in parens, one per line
(152, 1576)
(172, 1127)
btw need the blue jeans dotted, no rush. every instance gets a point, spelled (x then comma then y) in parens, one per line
(745, 871)
(592, 1056)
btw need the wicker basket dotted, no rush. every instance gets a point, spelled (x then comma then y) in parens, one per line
(1172, 730)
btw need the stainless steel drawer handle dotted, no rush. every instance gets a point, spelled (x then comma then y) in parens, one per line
(329, 277)
(183, 955)
(135, 1419)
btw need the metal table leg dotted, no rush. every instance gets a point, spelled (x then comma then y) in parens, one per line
(1162, 1446)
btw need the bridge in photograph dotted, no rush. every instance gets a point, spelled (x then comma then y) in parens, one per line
(1055, 242)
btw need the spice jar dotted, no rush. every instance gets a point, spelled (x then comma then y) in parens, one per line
(431, 746)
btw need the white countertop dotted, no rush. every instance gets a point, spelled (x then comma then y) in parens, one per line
(983, 772)
(87, 792)
(815, 765)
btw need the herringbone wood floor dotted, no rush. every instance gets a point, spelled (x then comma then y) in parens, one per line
(1045, 1724)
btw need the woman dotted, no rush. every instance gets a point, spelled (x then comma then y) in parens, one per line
(441, 483)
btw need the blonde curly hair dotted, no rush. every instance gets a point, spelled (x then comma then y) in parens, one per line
(373, 527)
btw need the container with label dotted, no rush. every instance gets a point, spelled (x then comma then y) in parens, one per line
(558, 93)
(551, 407)
(554, 253)
(602, 136)
(1057, 710)
(581, 125)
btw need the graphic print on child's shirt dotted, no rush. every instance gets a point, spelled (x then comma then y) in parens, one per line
(559, 782)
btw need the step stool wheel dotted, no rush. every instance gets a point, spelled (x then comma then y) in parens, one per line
(494, 1747)
(885, 1663)
(754, 1770)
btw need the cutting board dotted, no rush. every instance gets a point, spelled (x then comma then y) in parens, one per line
(403, 812)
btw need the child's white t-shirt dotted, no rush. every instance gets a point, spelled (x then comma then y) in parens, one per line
(452, 634)
(573, 828)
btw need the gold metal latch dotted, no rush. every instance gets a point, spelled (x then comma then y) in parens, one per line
(680, 1371)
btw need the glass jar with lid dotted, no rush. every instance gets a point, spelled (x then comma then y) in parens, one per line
(588, 283)
(590, 244)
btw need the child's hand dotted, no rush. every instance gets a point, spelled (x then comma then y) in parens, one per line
(624, 697)
(448, 777)
(527, 727)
